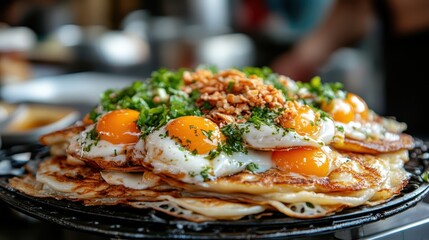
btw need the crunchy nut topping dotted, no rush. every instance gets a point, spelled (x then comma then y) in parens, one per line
(231, 94)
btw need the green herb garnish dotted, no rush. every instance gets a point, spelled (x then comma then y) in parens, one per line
(234, 139)
(325, 92)
(205, 173)
(264, 116)
(252, 167)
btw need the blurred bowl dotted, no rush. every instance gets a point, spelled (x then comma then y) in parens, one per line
(30, 121)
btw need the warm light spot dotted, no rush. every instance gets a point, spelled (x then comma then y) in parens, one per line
(196, 134)
(303, 160)
(119, 126)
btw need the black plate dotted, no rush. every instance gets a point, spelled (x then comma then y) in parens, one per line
(125, 222)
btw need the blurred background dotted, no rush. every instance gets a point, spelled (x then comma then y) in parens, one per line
(64, 53)
(40, 38)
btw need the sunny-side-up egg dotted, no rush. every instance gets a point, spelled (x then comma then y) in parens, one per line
(353, 115)
(182, 147)
(300, 126)
(114, 134)
(182, 150)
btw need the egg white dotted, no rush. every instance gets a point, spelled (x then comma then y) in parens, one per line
(362, 131)
(272, 137)
(85, 147)
(167, 156)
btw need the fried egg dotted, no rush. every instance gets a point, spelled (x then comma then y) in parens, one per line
(192, 157)
(353, 115)
(188, 157)
(267, 137)
(364, 130)
(83, 146)
(108, 143)
(299, 124)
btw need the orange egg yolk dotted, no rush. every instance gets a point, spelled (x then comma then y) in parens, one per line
(196, 134)
(359, 105)
(346, 110)
(119, 126)
(302, 160)
(340, 110)
(302, 119)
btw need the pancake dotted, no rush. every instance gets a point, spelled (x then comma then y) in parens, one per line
(55, 178)
(376, 146)
(362, 180)
(205, 145)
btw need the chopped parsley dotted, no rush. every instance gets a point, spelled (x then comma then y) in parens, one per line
(166, 79)
(92, 135)
(325, 92)
(208, 134)
(214, 153)
(135, 97)
(230, 86)
(234, 139)
(252, 167)
(263, 72)
(340, 128)
(264, 116)
(88, 147)
(151, 119)
(323, 114)
(158, 99)
(206, 106)
(205, 173)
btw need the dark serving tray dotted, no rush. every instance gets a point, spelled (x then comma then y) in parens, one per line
(126, 222)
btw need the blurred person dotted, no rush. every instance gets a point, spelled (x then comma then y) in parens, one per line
(404, 51)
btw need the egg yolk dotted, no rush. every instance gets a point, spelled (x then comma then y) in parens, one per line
(302, 119)
(302, 160)
(196, 134)
(346, 110)
(359, 105)
(119, 126)
(340, 110)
